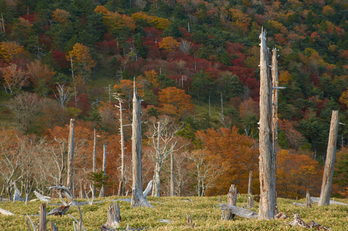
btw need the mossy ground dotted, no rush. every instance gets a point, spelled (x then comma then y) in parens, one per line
(204, 212)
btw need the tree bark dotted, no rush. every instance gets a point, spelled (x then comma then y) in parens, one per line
(158, 166)
(82, 190)
(42, 224)
(70, 183)
(330, 161)
(102, 190)
(114, 217)
(308, 200)
(266, 165)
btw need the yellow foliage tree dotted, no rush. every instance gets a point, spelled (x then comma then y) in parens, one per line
(151, 76)
(327, 10)
(126, 88)
(159, 23)
(60, 15)
(168, 43)
(115, 20)
(81, 58)
(10, 51)
(284, 77)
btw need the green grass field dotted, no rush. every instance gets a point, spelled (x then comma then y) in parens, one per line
(204, 212)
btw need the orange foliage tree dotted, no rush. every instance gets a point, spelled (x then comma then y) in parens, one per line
(11, 50)
(40, 72)
(297, 174)
(175, 102)
(168, 43)
(234, 153)
(126, 89)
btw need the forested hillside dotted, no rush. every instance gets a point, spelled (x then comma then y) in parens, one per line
(195, 64)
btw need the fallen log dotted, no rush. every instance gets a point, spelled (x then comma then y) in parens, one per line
(5, 212)
(281, 215)
(59, 211)
(41, 197)
(299, 204)
(241, 212)
(316, 200)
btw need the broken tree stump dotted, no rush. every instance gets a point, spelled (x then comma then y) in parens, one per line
(189, 222)
(42, 223)
(231, 200)
(250, 201)
(241, 212)
(308, 200)
(114, 217)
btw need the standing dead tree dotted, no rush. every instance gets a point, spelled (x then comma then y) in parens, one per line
(137, 194)
(102, 190)
(70, 183)
(266, 165)
(121, 189)
(161, 135)
(330, 161)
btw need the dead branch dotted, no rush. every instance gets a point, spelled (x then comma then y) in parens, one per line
(41, 197)
(5, 212)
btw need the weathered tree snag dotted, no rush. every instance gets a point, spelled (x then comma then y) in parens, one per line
(266, 165)
(82, 190)
(17, 196)
(330, 161)
(5, 212)
(94, 154)
(158, 167)
(59, 211)
(114, 216)
(137, 194)
(241, 212)
(121, 189)
(231, 200)
(308, 200)
(172, 176)
(70, 174)
(42, 224)
(102, 190)
(250, 202)
(53, 227)
(41, 197)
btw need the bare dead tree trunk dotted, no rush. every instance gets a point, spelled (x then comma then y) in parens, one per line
(266, 166)
(94, 154)
(121, 191)
(102, 190)
(330, 161)
(158, 167)
(231, 200)
(308, 200)
(172, 176)
(82, 190)
(42, 224)
(71, 155)
(250, 202)
(137, 194)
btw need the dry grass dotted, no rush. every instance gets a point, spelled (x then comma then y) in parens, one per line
(204, 211)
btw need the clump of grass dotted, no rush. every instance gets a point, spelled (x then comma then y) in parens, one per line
(204, 212)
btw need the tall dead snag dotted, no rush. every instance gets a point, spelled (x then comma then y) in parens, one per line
(137, 192)
(69, 183)
(231, 200)
(172, 176)
(266, 165)
(42, 224)
(250, 202)
(102, 190)
(330, 161)
(94, 153)
(82, 190)
(121, 189)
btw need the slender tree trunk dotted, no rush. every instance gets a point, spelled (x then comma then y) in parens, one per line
(250, 184)
(137, 193)
(172, 176)
(42, 223)
(330, 161)
(266, 166)
(70, 183)
(158, 166)
(123, 167)
(102, 190)
(94, 154)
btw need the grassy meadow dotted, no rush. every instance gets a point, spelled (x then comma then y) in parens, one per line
(204, 212)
